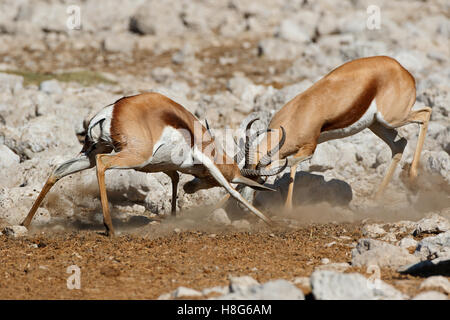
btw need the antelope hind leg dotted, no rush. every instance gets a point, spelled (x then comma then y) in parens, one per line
(397, 147)
(422, 117)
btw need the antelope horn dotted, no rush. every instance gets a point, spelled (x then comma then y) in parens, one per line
(242, 151)
(248, 143)
(208, 128)
(239, 156)
(267, 158)
(264, 172)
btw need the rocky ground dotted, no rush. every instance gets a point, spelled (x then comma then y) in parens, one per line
(224, 61)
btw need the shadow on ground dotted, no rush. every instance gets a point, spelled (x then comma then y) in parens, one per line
(309, 189)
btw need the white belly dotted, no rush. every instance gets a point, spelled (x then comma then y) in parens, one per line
(170, 152)
(364, 122)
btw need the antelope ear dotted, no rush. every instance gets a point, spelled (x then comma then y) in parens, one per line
(250, 183)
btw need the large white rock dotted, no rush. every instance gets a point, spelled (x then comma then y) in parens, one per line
(50, 86)
(337, 266)
(290, 30)
(355, 23)
(412, 60)
(331, 285)
(437, 164)
(119, 43)
(181, 293)
(51, 17)
(436, 246)
(10, 82)
(241, 283)
(238, 84)
(430, 295)
(9, 164)
(157, 18)
(162, 74)
(153, 189)
(272, 290)
(15, 202)
(374, 252)
(407, 242)
(432, 224)
(373, 231)
(436, 282)
(279, 49)
(15, 231)
(325, 157)
(7, 157)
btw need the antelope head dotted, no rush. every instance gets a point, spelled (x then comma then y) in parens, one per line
(245, 175)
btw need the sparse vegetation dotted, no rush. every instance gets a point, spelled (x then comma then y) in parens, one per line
(83, 77)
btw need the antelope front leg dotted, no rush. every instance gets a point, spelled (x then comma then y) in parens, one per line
(288, 203)
(48, 185)
(302, 155)
(102, 165)
(121, 160)
(79, 163)
(175, 177)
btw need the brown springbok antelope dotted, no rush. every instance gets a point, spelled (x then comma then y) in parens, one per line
(375, 93)
(151, 133)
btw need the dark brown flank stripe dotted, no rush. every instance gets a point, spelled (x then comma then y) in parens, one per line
(356, 111)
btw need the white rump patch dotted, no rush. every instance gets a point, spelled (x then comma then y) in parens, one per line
(100, 126)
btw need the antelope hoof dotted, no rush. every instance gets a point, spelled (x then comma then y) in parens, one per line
(109, 232)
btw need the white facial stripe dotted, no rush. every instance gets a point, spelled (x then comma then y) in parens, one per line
(215, 172)
(364, 122)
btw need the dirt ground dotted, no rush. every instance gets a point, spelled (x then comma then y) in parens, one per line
(139, 267)
(146, 261)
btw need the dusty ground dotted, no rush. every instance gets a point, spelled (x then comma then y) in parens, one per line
(149, 258)
(138, 267)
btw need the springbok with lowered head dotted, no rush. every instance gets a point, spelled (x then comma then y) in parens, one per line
(151, 133)
(375, 92)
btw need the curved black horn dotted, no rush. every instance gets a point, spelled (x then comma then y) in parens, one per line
(208, 128)
(248, 141)
(246, 152)
(267, 158)
(264, 172)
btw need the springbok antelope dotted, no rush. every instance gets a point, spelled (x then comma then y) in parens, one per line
(374, 92)
(151, 133)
